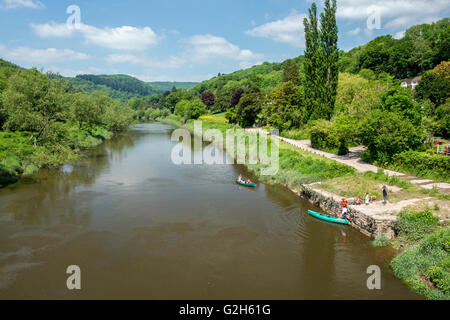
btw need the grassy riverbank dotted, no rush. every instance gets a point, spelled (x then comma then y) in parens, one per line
(425, 263)
(296, 167)
(422, 231)
(19, 157)
(46, 122)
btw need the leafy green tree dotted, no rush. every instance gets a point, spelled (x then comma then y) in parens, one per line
(182, 107)
(388, 133)
(442, 120)
(313, 66)
(291, 72)
(433, 87)
(400, 101)
(329, 40)
(249, 106)
(172, 99)
(86, 111)
(284, 107)
(135, 103)
(376, 54)
(115, 116)
(196, 108)
(237, 94)
(223, 98)
(33, 103)
(321, 63)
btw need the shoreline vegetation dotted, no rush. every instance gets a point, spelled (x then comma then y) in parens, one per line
(47, 123)
(335, 99)
(422, 232)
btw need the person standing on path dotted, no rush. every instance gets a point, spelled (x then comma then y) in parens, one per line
(367, 199)
(384, 195)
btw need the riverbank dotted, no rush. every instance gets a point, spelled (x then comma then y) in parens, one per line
(324, 182)
(18, 156)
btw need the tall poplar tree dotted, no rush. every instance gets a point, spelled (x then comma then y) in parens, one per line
(291, 72)
(321, 62)
(328, 39)
(312, 64)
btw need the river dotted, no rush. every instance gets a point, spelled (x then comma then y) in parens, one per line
(141, 227)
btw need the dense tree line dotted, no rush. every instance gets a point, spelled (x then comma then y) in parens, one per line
(421, 49)
(44, 123)
(121, 83)
(363, 103)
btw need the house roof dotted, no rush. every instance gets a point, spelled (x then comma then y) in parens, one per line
(415, 79)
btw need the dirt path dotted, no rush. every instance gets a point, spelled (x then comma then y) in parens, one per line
(354, 160)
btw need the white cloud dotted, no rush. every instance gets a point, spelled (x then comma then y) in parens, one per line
(120, 38)
(168, 63)
(52, 29)
(13, 4)
(198, 50)
(203, 48)
(149, 76)
(289, 30)
(50, 55)
(355, 31)
(394, 14)
(72, 72)
(399, 34)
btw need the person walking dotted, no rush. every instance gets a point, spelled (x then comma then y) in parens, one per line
(384, 195)
(367, 199)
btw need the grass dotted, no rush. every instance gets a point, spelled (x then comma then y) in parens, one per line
(425, 266)
(296, 166)
(358, 184)
(381, 241)
(414, 226)
(390, 180)
(296, 134)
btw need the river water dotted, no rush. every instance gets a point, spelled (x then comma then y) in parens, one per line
(141, 227)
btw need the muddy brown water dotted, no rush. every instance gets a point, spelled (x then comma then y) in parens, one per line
(141, 227)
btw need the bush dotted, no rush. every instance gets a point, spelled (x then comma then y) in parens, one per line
(428, 261)
(415, 225)
(324, 137)
(423, 164)
(381, 241)
(386, 134)
(296, 134)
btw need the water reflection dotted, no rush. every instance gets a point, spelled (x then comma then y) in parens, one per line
(175, 232)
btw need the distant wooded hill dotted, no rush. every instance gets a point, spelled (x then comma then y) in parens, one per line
(167, 86)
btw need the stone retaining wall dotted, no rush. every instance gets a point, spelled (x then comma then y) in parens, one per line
(371, 226)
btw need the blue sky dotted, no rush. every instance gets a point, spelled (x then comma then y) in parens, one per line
(189, 40)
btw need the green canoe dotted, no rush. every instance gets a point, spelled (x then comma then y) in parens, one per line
(245, 184)
(327, 217)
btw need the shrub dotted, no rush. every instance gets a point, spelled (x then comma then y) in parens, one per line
(423, 164)
(324, 137)
(381, 241)
(387, 133)
(415, 225)
(428, 261)
(296, 134)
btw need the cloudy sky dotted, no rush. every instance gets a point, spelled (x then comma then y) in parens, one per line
(185, 40)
